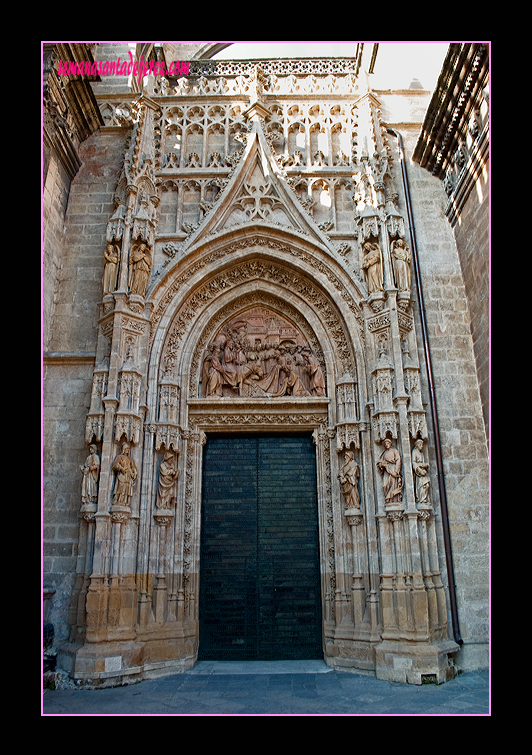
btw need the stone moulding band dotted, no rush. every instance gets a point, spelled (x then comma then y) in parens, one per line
(258, 415)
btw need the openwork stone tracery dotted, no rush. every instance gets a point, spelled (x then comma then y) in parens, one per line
(257, 278)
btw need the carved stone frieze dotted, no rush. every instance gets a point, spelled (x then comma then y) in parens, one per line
(251, 413)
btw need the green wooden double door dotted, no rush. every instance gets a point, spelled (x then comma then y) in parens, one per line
(259, 571)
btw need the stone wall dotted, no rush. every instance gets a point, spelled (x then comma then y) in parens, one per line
(472, 240)
(459, 407)
(70, 353)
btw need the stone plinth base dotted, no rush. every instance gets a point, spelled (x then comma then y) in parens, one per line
(415, 663)
(114, 664)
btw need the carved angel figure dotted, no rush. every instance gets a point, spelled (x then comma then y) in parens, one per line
(389, 465)
(348, 477)
(216, 373)
(317, 380)
(372, 264)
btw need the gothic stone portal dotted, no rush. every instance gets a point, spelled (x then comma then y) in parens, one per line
(257, 323)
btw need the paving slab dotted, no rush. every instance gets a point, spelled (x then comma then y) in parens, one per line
(274, 688)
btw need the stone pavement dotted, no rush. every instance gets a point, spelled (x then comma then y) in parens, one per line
(308, 688)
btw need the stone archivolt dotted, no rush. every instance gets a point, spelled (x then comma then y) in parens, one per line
(257, 276)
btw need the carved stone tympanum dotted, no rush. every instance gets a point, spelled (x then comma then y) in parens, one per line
(261, 354)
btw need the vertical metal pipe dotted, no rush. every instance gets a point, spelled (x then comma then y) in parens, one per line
(433, 406)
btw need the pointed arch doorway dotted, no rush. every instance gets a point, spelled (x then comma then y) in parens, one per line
(260, 596)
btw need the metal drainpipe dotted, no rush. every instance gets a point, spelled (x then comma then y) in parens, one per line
(433, 406)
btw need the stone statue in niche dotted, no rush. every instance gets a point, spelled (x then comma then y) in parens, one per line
(139, 268)
(168, 475)
(372, 264)
(111, 259)
(91, 473)
(261, 354)
(389, 465)
(348, 477)
(402, 259)
(420, 468)
(125, 470)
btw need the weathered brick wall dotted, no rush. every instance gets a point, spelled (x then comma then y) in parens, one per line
(69, 359)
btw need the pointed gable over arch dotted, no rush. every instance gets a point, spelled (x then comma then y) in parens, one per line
(256, 193)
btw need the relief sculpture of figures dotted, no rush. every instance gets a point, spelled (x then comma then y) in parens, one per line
(348, 477)
(216, 373)
(291, 383)
(389, 465)
(420, 467)
(261, 355)
(91, 472)
(110, 272)
(126, 474)
(317, 381)
(401, 264)
(139, 269)
(372, 264)
(168, 475)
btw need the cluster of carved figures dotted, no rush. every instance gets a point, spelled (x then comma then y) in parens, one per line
(140, 265)
(125, 473)
(264, 370)
(389, 465)
(373, 266)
